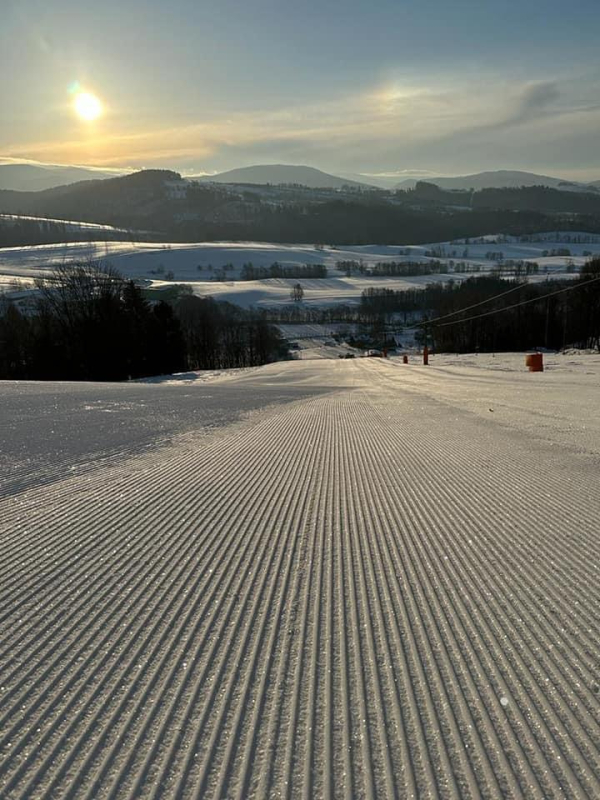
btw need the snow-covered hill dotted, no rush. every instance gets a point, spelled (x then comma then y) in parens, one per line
(213, 268)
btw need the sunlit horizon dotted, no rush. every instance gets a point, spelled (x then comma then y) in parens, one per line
(388, 89)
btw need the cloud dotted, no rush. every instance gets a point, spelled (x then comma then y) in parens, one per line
(536, 100)
(5, 160)
(434, 129)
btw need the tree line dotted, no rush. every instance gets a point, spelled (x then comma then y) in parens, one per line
(88, 323)
(17, 232)
(404, 269)
(220, 335)
(358, 222)
(568, 319)
(571, 318)
(523, 198)
(249, 272)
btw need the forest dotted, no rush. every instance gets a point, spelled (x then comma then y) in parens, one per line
(20, 231)
(142, 202)
(487, 313)
(88, 323)
(249, 272)
(542, 199)
(508, 315)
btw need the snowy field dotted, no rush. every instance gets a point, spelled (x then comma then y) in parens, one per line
(200, 264)
(346, 578)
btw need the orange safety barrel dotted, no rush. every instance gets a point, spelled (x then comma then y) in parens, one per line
(535, 362)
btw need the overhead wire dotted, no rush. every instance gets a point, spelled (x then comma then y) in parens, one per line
(475, 305)
(435, 322)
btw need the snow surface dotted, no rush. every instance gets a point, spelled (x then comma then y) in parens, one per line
(150, 261)
(352, 578)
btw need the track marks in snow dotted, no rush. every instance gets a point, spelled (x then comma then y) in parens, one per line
(333, 599)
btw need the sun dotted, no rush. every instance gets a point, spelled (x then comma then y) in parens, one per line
(87, 106)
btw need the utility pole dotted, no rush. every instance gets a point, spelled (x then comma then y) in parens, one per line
(426, 346)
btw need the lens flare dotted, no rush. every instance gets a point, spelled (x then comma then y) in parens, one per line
(87, 106)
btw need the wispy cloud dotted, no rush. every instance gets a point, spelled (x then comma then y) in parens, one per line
(535, 101)
(420, 126)
(37, 163)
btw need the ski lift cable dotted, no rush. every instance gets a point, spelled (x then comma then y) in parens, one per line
(475, 305)
(514, 305)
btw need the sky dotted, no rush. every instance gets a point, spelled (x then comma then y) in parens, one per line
(379, 87)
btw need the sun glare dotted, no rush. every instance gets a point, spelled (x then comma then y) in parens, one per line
(87, 106)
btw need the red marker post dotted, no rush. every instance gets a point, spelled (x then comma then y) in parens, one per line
(425, 355)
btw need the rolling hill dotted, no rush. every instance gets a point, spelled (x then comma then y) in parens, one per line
(282, 173)
(502, 179)
(35, 178)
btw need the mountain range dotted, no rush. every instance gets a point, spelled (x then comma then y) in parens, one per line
(37, 177)
(503, 179)
(162, 205)
(34, 177)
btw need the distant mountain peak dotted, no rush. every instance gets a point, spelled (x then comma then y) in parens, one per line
(500, 179)
(37, 177)
(275, 174)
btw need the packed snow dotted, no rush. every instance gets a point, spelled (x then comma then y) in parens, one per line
(347, 578)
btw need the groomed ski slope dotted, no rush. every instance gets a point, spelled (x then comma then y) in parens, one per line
(349, 579)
